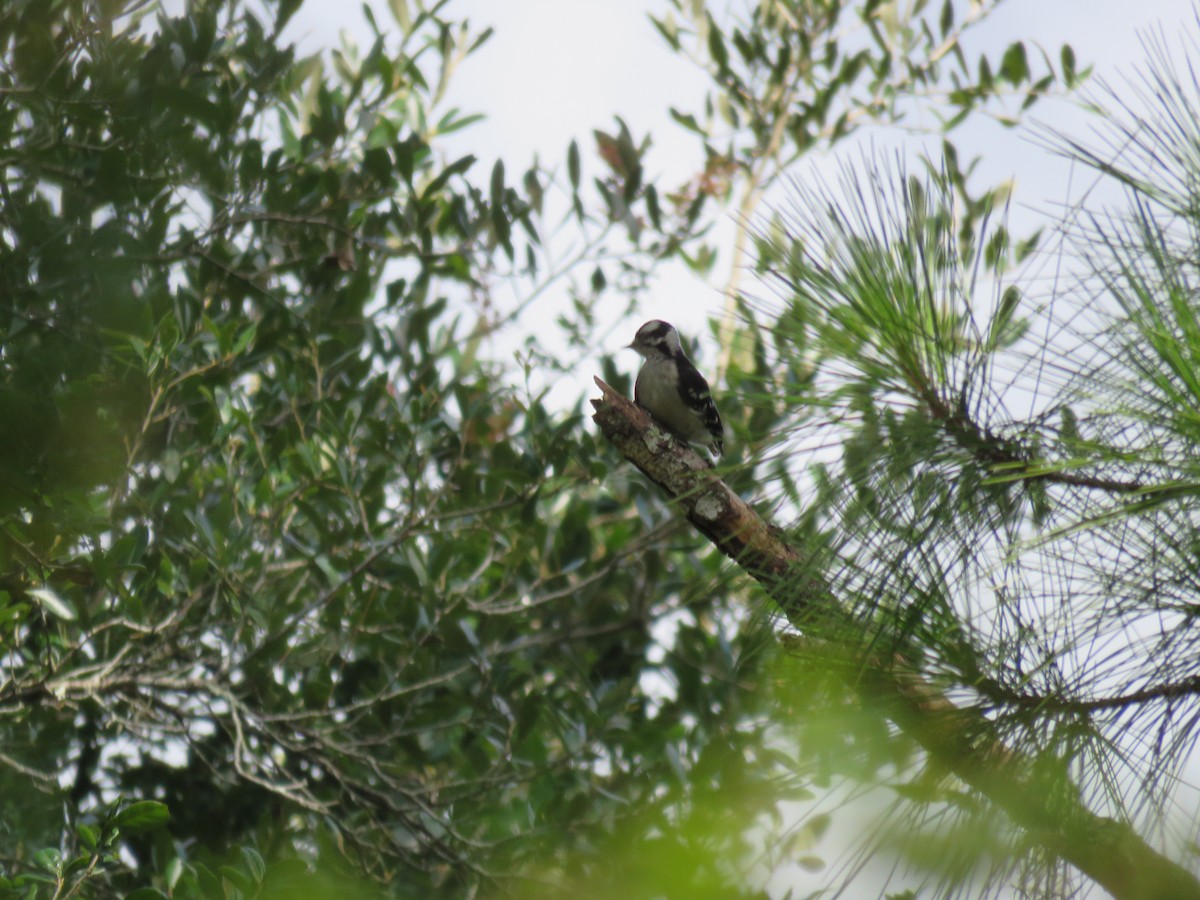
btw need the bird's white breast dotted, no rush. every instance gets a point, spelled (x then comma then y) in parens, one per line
(657, 391)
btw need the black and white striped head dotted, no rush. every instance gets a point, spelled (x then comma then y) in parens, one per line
(657, 338)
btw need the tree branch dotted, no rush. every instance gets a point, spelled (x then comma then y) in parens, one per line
(1001, 455)
(961, 739)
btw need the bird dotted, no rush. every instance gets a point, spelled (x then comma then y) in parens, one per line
(671, 389)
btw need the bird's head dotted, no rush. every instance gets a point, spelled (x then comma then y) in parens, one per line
(656, 338)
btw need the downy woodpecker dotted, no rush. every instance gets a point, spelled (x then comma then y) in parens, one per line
(672, 391)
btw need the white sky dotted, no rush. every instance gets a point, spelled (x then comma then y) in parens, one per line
(556, 69)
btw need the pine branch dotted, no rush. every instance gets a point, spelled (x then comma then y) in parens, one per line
(1171, 690)
(961, 739)
(1004, 456)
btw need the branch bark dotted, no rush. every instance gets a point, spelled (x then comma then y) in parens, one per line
(962, 739)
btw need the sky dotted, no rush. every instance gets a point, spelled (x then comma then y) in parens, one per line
(557, 69)
(554, 70)
(570, 66)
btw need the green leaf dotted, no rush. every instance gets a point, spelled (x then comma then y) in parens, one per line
(237, 878)
(88, 836)
(497, 185)
(986, 79)
(254, 863)
(687, 120)
(946, 21)
(146, 893)
(144, 815)
(482, 38)
(573, 171)
(52, 602)
(1014, 67)
(669, 30)
(1068, 65)
(287, 9)
(401, 14)
(501, 225)
(173, 872)
(1037, 91)
(1000, 331)
(49, 859)
(457, 167)
(652, 207)
(716, 46)
(78, 864)
(244, 339)
(747, 49)
(453, 121)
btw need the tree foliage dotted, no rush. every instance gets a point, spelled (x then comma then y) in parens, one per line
(302, 591)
